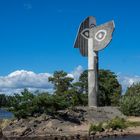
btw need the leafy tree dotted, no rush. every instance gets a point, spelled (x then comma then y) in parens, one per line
(109, 87)
(47, 103)
(83, 80)
(75, 98)
(134, 89)
(130, 105)
(82, 85)
(28, 104)
(61, 82)
(22, 105)
(3, 100)
(130, 102)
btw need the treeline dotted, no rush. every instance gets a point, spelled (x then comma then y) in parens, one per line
(66, 94)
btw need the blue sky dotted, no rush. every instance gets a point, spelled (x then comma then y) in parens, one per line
(38, 35)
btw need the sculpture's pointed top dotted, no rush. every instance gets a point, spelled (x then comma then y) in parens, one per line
(92, 21)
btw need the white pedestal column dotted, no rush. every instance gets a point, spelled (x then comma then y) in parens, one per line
(92, 75)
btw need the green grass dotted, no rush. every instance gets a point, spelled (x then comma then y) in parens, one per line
(132, 124)
(96, 127)
(114, 124)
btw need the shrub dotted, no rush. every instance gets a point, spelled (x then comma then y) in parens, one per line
(116, 123)
(130, 105)
(96, 127)
(130, 102)
(27, 104)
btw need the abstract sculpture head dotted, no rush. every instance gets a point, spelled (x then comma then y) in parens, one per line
(101, 35)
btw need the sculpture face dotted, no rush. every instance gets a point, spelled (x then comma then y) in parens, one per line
(101, 35)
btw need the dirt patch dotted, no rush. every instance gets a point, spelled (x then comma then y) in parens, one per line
(133, 119)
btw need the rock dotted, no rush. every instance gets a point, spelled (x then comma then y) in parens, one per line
(1, 134)
(92, 133)
(103, 129)
(70, 121)
(26, 132)
(106, 130)
(59, 129)
(43, 117)
(2, 137)
(110, 130)
(104, 134)
(97, 133)
(20, 121)
(70, 115)
(35, 125)
(119, 130)
(100, 136)
(37, 121)
(22, 125)
(77, 136)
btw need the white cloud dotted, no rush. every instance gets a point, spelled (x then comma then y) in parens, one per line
(20, 79)
(127, 81)
(16, 81)
(77, 72)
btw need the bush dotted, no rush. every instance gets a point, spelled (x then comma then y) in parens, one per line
(27, 104)
(130, 102)
(116, 123)
(96, 127)
(130, 105)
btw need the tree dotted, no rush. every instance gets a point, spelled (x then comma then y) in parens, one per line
(130, 102)
(28, 104)
(79, 91)
(22, 105)
(61, 82)
(130, 105)
(134, 89)
(3, 101)
(83, 80)
(109, 87)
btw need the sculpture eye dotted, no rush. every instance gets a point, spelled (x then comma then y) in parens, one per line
(100, 35)
(85, 33)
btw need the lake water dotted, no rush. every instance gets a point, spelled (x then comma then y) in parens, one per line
(5, 114)
(123, 138)
(54, 138)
